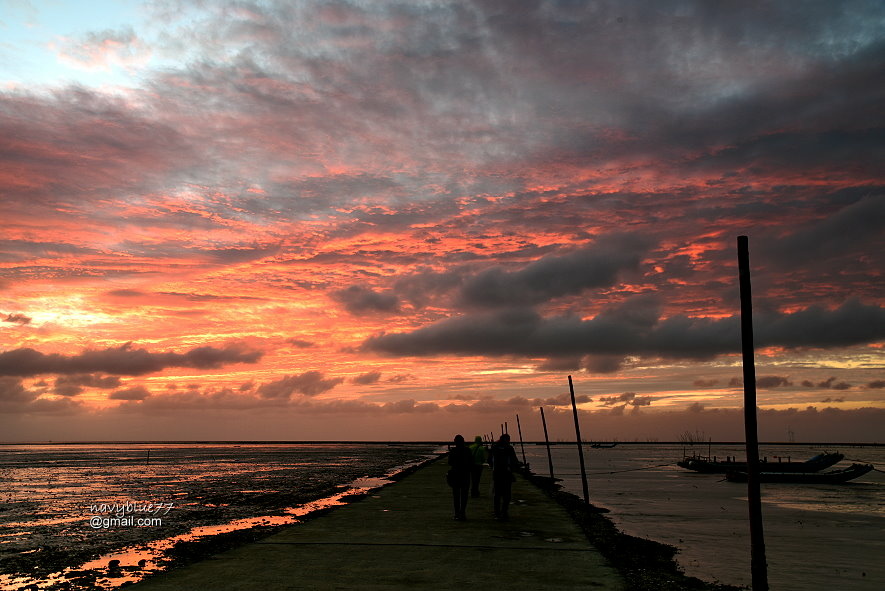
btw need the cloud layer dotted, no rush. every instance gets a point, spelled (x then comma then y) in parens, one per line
(386, 205)
(124, 360)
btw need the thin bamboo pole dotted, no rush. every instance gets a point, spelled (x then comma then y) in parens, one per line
(571, 388)
(547, 442)
(521, 444)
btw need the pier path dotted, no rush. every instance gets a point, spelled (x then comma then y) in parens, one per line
(402, 536)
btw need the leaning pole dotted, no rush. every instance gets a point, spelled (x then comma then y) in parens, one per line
(758, 565)
(571, 389)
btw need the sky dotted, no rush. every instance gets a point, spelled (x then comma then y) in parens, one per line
(401, 220)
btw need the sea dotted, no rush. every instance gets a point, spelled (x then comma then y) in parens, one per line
(100, 515)
(815, 536)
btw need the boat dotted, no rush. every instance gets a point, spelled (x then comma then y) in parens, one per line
(709, 465)
(604, 445)
(830, 477)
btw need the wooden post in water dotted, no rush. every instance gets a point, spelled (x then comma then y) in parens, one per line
(758, 565)
(521, 444)
(571, 388)
(547, 442)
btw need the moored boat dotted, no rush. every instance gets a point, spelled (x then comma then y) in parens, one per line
(713, 465)
(830, 477)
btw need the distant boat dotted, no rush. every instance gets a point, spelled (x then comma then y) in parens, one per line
(831, 477)
(710, 465)
(604, 445)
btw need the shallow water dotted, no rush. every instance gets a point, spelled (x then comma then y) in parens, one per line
(816, 536)
(72, 509)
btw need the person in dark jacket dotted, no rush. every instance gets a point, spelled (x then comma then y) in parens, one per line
(460, 465)
(502, 458)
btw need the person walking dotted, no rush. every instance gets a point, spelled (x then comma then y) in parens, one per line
(502, 458)
(478, 451)
(460, 464)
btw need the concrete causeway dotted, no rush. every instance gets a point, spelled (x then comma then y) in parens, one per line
(403, 536)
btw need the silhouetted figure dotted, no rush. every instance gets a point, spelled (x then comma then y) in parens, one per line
(460, 464)
(478, 452)
(502, 459)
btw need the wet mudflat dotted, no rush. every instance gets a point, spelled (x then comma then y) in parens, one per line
(817, 536)
(68, 512)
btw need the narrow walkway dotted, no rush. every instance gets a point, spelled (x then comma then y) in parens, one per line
(403, 537)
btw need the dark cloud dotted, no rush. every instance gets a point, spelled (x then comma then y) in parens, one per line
(422, 287)
(309, 383)
(123, 360)
(400, 378)
(127, 293)
(631, 329)
(701, 383)
(829, 384)
(602, 363)
(626, 399)
(597, 265)
(134, 393)
(365, 379)
(849, 231)
(13, 393)
(876, 384)
(358, 300)
(768, 382)
(19, 319)
(563, 400)
(72, 385)
(300, 343)
(15, 398)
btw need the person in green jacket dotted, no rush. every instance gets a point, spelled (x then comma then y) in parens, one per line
(478, 451)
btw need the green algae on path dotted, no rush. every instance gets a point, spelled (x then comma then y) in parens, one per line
(403, 535)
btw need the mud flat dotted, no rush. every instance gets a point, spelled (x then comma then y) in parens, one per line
(221, 497)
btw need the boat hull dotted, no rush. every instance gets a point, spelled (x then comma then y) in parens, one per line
(708, 466)
(831, 477)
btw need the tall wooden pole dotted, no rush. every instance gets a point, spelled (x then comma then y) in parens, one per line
(571, 388)
(758, 565)
(547, 442)
(521, 444)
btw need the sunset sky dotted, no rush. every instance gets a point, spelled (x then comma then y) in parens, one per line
(405, 220)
